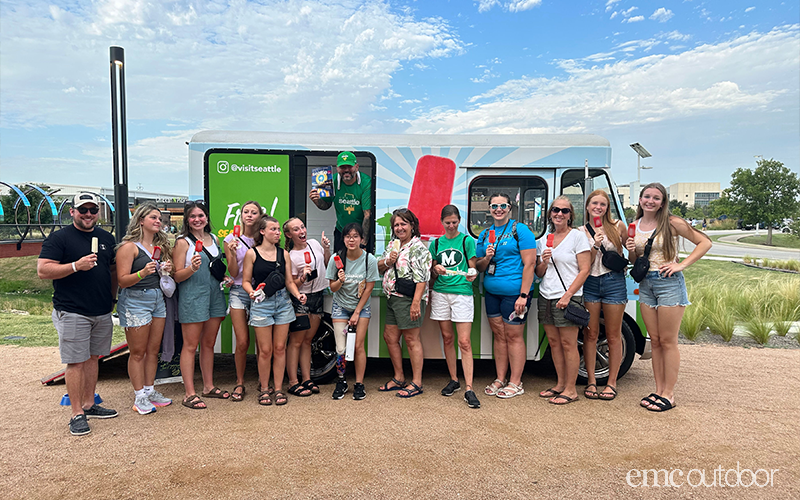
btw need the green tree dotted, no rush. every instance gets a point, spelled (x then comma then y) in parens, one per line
(630, 214)
(767, 194)
(678, 208)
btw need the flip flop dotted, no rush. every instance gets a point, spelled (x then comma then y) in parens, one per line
(591, 394)
(549, 393)
(217, 393)
(567, 400)
(238, 396)
(415, 390)
(398, 385)
(193, 401)
(606, 396)
(663, 404)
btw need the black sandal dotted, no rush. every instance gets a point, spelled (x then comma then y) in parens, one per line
(238, 396)
(311, 386)
(300, 390)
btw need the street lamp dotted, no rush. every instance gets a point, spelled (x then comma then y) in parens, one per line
(641, 152)
(119, 139)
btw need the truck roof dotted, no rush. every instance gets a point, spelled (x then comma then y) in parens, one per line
(345, 141)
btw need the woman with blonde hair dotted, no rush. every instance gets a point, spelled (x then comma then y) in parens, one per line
(662, 292)
(141, 307)
(605, 289)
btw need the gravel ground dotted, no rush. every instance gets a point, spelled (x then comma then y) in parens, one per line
(733, 408)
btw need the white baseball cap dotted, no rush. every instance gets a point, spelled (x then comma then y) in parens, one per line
(83, 199)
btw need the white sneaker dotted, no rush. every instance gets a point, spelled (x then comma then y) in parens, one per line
(143, 405)
(159, 399)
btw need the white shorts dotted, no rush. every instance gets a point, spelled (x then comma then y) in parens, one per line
(452, 307)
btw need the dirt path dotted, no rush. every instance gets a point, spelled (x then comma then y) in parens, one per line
(733, 407)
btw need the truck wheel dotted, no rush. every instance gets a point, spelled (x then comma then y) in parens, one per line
(601, 361)
(323, 352)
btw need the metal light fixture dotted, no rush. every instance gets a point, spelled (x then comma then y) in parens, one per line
(119, 140)
(641, 152)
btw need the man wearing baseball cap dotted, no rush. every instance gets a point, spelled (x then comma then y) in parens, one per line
(352, 199)
(79, 258)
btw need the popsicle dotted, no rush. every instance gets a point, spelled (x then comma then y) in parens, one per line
(338, 261)
(307, 256)
(632, 230)
(198, 246)
(237, 230)
(260, 287)
(94, 244)
(156, 253)
(598, 222)
(550, 238)
(259, 293)
(395, 245)
(431, 190)
(491, 237)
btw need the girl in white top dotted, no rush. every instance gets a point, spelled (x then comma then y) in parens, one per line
(662, 293)
(310, 280)
(571, 252)
(235, 250)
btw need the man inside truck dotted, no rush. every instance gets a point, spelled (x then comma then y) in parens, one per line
(351, 199)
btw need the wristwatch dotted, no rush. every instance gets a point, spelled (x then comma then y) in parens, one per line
(523, 295)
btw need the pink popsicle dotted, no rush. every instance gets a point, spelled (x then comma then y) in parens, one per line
(432, 189)
(491, 237)
(156, 253)
(237, 230)
(198, 246)
(338, 261)
(631, 230)
(598, 222)
(307, 256)
(550, 238)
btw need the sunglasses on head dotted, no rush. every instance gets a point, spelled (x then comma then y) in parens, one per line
(501, 206)
(190, 203)
(83, 210)
(564, 211)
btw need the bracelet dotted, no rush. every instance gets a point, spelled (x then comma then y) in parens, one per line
(138, 273)
(74, 269)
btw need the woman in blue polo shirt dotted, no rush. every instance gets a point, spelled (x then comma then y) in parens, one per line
(508, 264)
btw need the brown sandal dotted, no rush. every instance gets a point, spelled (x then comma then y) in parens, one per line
(218, 393)
(238, 396)
(265, 398)
(280, 398)
(193, 401)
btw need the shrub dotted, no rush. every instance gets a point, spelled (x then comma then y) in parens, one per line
(693, 320)
(720, 319)
(758, 329)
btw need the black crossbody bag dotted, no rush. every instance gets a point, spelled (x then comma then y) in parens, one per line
(612, 260)
(575, 311)
(642, 264)
(217, 267)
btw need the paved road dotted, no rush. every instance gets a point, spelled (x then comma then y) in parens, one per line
(728, 248)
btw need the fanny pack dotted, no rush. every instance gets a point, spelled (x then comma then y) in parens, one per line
(404, 286)
(215, 265)
(611, 259)
(642, 264)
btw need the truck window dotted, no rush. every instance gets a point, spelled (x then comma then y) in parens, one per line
(528, 194)
(572, 186)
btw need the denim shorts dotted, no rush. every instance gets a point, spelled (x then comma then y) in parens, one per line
(275, 310)
(656, 291)
(139, 307)
(609, 288)
(239, 299)
(503, 305)
(339, 312)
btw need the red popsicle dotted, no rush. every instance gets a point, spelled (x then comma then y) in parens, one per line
(632, 230)
(260, 287)
(237, 230)
(598, 222)
(198, 246)
(431, 190)
(156, 253)
(491, 236)
(338, 261)
(307, 255)
(550, 238)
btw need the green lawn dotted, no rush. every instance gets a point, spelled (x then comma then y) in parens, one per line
(729, 274)
(779, 240)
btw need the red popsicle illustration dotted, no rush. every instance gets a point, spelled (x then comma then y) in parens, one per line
(632, 230)
(491, 237)
(307, 256)
(237, 230)
(432, 189)
(156, 253)
(598, 222)
(198, 246)
(338, 261)
(550, 238)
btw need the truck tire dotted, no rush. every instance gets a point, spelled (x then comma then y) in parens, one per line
(323, 352)
(601, 361)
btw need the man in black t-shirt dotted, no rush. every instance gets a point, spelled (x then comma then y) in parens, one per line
(80, 260)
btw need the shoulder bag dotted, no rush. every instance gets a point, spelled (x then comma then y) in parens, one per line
(611, 259)
(642, 264)
(575, 311)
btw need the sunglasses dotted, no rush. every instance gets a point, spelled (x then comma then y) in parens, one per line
(564, 211)
(83, 210)
(501, 206)
(190, 203)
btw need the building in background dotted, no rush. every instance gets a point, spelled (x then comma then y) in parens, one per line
(695, 194)
(624, 193)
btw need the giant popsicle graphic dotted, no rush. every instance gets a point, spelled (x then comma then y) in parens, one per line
(432, 189)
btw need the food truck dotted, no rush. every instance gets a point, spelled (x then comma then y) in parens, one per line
(423, 173)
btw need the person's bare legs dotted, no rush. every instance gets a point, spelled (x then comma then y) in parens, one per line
(361, 353)
(650, 317)
(305, 347)
(411, 336)
(391, 334)
(264, 341)
(293, 356)
(465, 345)
(90, 368)
(207, 341)
(449, 348)
(557, 353)
(500, 347)
(572, 359)
(669, 322)
(73, 376)
(242, 333)
(613, 313)
(516, 351)
(138, 343)
(153, 348)
(279, 334)
(191, 339)
(590, 335)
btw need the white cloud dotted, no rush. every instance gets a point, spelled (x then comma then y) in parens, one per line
(614, 14)
(509, 5)
(315, 61)
(628, 12)
(610, 4)
(702, 81)
(749, 9)
(662, 15)
(634, 19)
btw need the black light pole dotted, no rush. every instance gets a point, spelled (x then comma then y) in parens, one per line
(119, 140)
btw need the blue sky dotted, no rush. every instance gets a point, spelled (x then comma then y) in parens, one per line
(703, 85)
